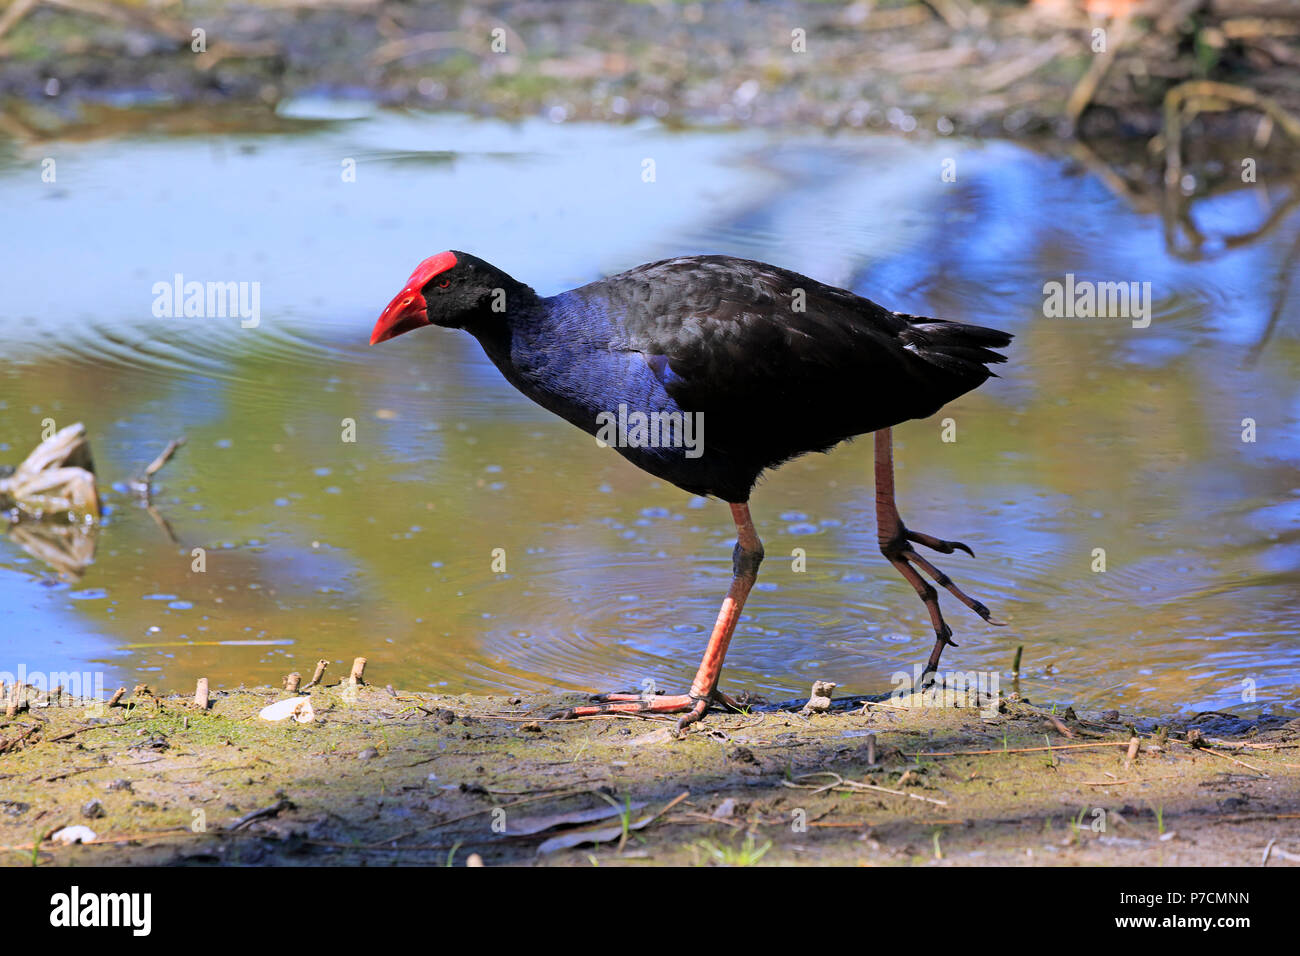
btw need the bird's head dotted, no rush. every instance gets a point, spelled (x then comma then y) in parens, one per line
(452, 289)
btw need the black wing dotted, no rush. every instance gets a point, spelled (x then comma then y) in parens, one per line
(734, 334)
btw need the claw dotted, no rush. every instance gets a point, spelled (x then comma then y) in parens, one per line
(937, 544)
(982, 610)
(697, 713)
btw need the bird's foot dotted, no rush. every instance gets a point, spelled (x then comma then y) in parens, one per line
(901, 554)
(936, 544)
(609, 704)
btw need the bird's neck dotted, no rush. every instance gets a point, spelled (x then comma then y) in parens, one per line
(547, 348)
(522, 315)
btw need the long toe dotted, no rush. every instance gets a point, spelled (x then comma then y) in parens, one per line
(937, 544)
(947, 583)
(612, 704)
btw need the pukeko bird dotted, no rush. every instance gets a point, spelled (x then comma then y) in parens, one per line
(770, 364)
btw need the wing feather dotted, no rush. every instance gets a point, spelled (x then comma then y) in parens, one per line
(734, 333)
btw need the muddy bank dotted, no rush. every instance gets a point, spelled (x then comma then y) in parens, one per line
(383, 777)
(1003, 69)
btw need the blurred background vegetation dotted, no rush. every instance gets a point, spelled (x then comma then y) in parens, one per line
(1092, 68)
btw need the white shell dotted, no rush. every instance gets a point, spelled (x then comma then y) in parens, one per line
(76, 834)
(299, 708)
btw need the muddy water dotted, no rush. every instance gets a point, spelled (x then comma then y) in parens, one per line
(1101, 434)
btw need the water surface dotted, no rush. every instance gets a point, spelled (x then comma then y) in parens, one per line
(1098, 435)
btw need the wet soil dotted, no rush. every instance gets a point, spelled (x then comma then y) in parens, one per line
(383, 777)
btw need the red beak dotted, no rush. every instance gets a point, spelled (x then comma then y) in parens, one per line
(406, 312)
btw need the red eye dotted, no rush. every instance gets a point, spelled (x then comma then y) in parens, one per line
(444, 284)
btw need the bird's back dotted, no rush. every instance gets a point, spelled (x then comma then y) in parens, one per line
(778, 363)
(736, 331)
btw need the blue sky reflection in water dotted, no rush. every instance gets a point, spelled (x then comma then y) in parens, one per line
(1097, 435)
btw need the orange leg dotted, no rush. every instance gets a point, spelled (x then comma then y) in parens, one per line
(894, 538)
(745, 560)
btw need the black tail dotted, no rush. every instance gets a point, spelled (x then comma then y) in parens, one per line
(964, 350)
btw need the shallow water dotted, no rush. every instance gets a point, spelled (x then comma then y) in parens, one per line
(1097, 435)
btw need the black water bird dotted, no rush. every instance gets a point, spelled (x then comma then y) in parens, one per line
(743, 366)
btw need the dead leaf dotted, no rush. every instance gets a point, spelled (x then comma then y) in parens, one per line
(527, 825)
(605, 834)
